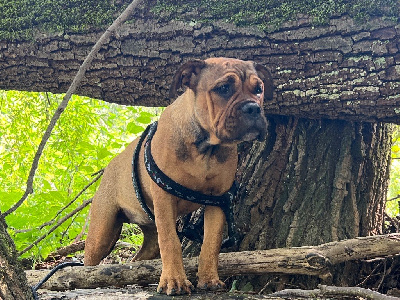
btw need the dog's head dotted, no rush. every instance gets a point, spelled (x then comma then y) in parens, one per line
(229, 95)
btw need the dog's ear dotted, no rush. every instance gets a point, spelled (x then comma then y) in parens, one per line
(186, 75)
(266, 77)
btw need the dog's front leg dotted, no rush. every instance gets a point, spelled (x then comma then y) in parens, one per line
(214, 220)
(173, 278)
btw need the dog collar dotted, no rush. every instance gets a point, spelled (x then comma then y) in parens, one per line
(225, 201)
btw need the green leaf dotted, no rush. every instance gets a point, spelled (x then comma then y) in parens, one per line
(247, 288)
(144, 119)
(116, 145)
(46, 185)
(7, 199)
(87, 169)
(103, 153)
(132, 127)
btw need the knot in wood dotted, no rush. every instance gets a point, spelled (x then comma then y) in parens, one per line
(317, 260)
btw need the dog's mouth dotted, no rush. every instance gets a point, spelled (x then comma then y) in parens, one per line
(253, 134)
(246, 124)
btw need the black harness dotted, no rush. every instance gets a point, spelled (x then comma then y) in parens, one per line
(225, 201)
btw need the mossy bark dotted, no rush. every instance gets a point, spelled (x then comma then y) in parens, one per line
(13, 283)
(342, 70)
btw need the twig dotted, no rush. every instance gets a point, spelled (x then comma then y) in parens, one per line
(74, 85)
(354, 291)
(385, 272)
(80, 235)
(324, 290)
(370, 275)
(99, 174)
(62, 220)
(394, 198)
(66, 250)
(80, 245)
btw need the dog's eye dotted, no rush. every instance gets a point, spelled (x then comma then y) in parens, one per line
(258, 90)
(225, 90)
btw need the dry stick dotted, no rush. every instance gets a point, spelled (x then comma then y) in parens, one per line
(66, 250)
(80, 245)
(324, 290)
(74, 85)
(80, 235)
(62, 220)
(396, 197)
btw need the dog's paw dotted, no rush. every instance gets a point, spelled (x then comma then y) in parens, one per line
(211, 284)
(174, 287)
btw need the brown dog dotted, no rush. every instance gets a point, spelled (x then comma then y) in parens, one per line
(195, 145)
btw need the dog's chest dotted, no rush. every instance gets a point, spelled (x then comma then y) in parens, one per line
(208, 175)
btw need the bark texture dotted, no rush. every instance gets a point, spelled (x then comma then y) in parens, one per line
(312, 182)
(343, 70)
(13, 283)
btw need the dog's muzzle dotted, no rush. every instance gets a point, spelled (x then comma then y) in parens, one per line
(253, 122)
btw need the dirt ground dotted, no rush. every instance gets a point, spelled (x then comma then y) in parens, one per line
(136, 293)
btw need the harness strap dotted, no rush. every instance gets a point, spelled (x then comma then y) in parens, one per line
(224, 201)
(135, 175)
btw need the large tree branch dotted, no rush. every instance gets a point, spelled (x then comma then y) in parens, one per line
(311, 260)
(342, 70)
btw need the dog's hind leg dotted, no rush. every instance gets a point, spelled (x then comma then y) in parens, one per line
(150, 248)
(104, 230)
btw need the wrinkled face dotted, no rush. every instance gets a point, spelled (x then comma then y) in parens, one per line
(229, 100)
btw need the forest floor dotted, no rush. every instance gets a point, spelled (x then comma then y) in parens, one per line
(381, 274)
(136, 293)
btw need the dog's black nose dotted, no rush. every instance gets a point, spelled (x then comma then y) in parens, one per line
(251, 109)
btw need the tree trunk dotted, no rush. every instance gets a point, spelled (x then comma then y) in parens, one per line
(13, 283)
(312, 182)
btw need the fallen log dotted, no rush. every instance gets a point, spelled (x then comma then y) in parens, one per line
(307, 260)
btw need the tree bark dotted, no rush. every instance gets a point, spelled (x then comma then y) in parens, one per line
(13, 283)
(343, 70)
(312, 182)
(316, 261)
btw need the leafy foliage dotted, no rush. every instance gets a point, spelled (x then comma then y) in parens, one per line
(88, 135)
(393, 204)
